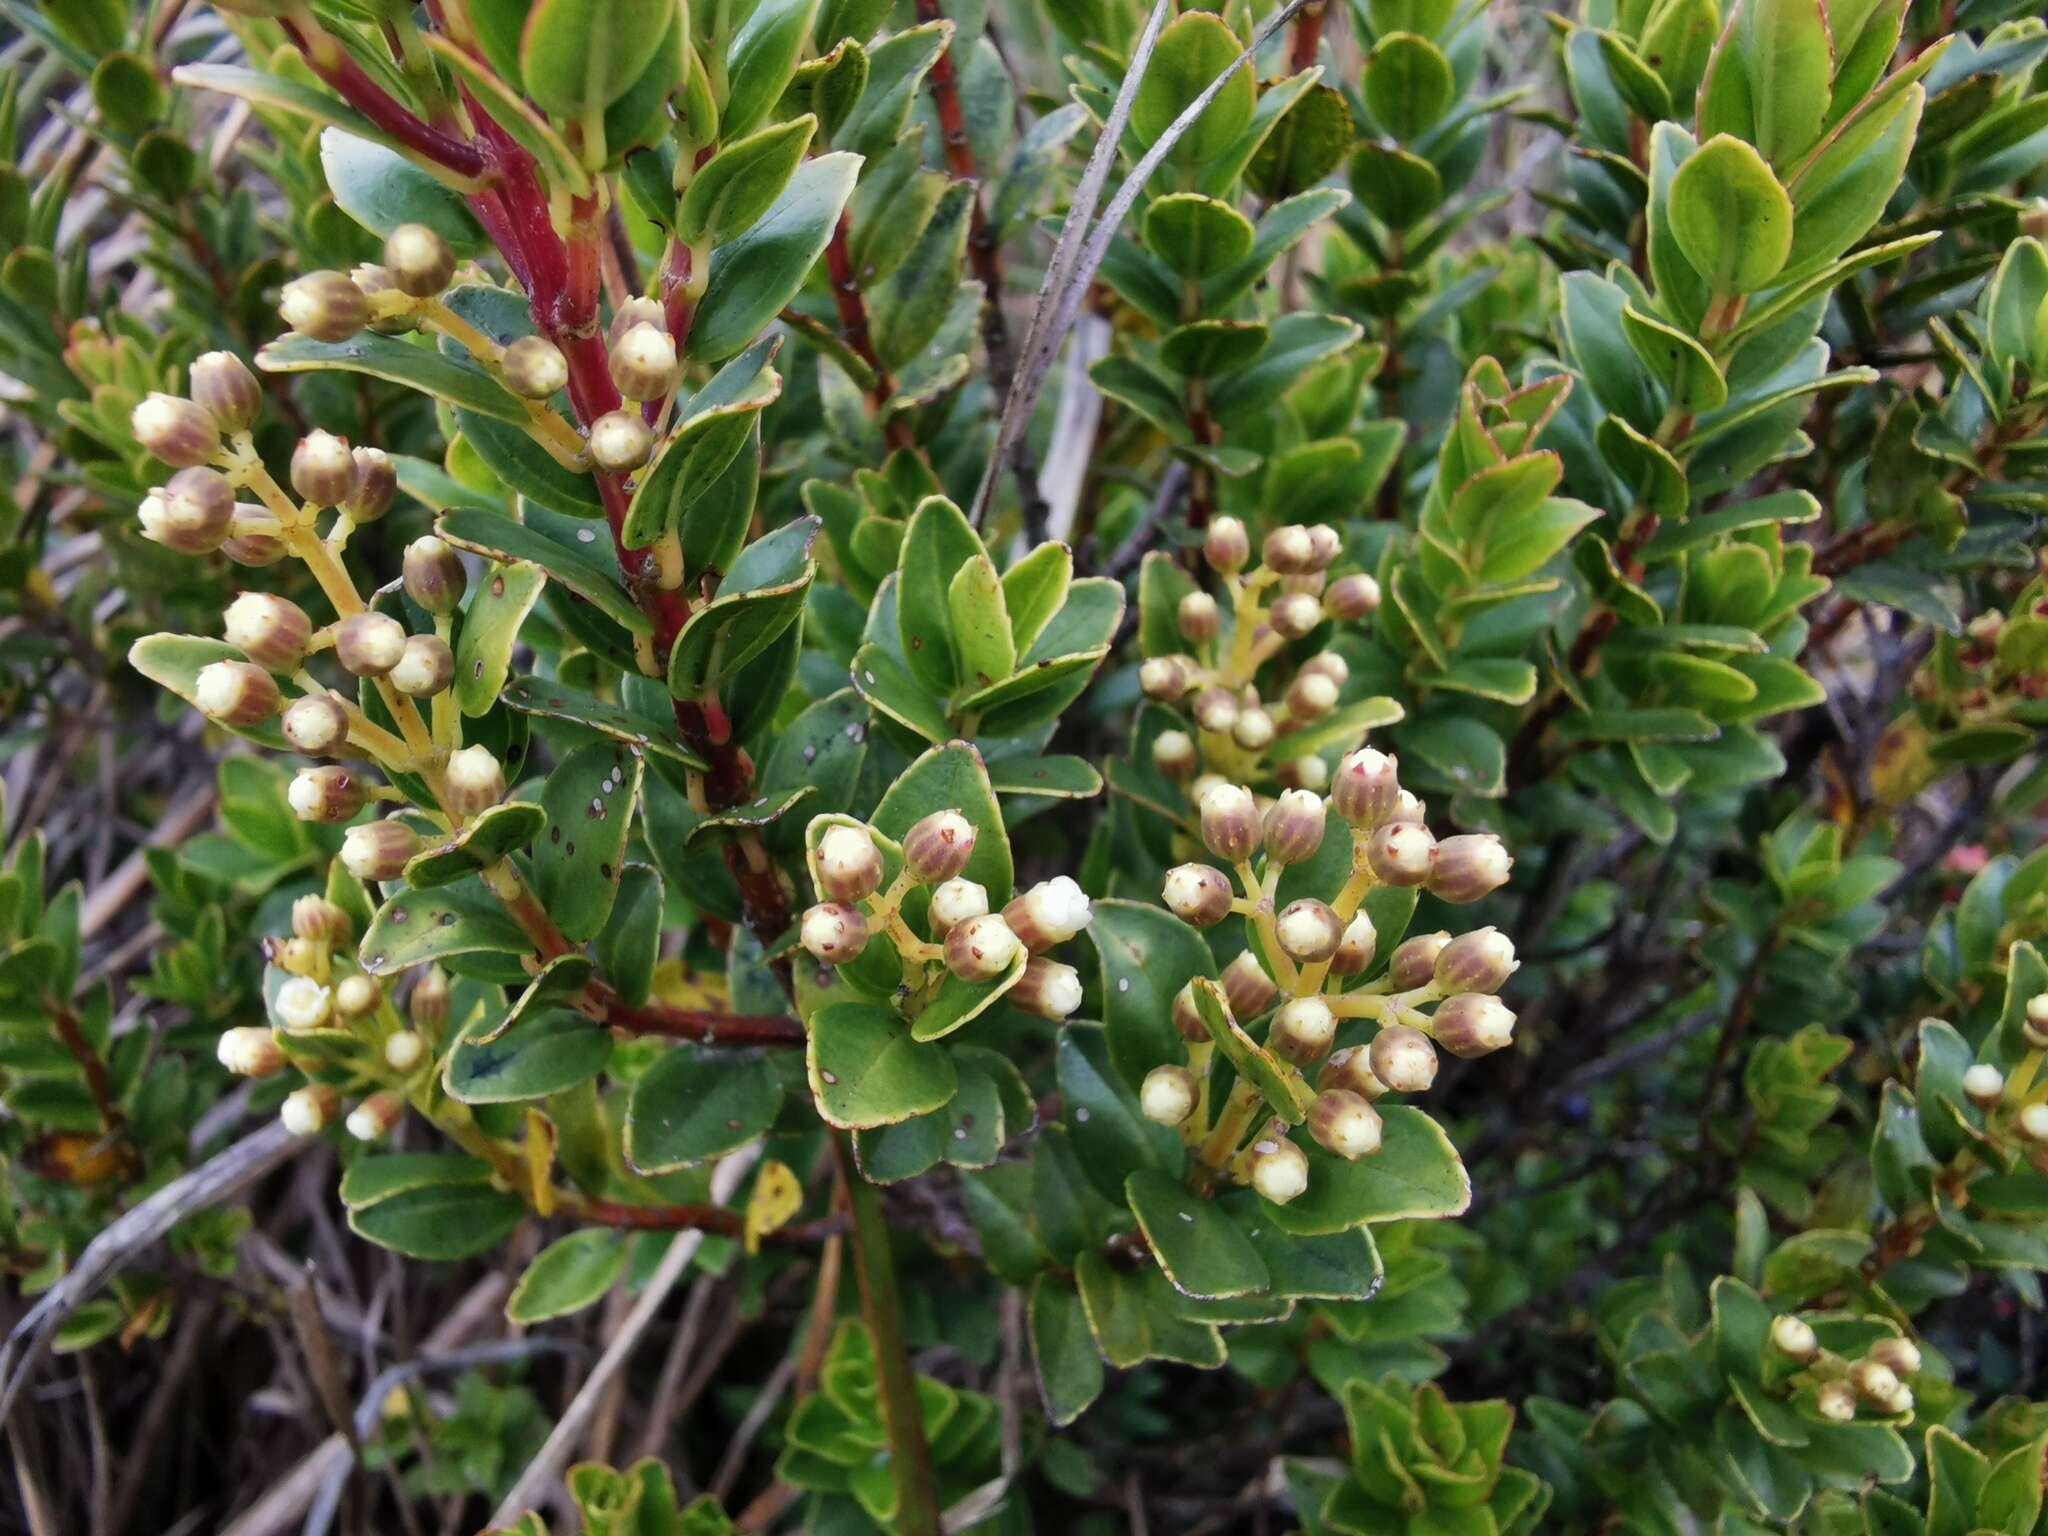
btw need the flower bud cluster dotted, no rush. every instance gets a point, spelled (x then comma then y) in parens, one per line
(1840, 1389)
(963, 936)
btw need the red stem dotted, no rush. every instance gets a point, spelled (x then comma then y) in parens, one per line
(733, 1029)
(853, 323)
(1308, 38)
(331, 62)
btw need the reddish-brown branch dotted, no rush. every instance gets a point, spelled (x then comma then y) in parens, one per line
(331, 62)
(733, 1029)
(853, 325)
(1308, 38)
(72, 1037)
(702, 1218)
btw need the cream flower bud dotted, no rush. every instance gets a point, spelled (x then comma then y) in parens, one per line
(375, 487)
(315, 917)
(404, 1050)
(379, 850)
(1351, 1070)
(1175, 754)
(1473, 1024)
(2035, 1024)
(953, 903)
(1051, 912)
(192, 513)
(1836, 1402)
(1793, 1338)
(1325, 545)
(1414, 960)
(434, 577)
(849, 864)
(1294, 826)
(1355, 950)
(1197, 894)
(1168, 1095)
(1310, 773)
(271, 631)
(175, 431)
(224, 388)
(1294, 615)
(369, 644)
(1278, 1168)
(1311, 696)
(426, 668)
(1327, 664)
(237, 693)
(1230, 823)
(1901, 1356)
(1403, 1059)
(2033, 1123)
(938, 847)
(644, 363)
(1366, 787)
(1401, 853)
(1469, 867)
(1408, 809)
(1215, 710)
(1199, 618)
(376, 1117)
(329, 795)
(1346, 1124)
(302, 957)
(1984, 1085)
(254, 550)
(1226, 546)
(324, 305)
(981, 949)
(535, 368)
(1351, 598)
(1303, 1031)
(1308, 930)
(355, 996)
(1479, 961)
(1047, 988)
(302, 1003)
(635, 311)
(323, 468)
(419, 260)
(248, 1051)
(1247, 987)
(1253, 729)
(1187, 1017)
(834, 932)
(475, 781)
(1165, 678)
(430, 1001)
(1874, 1381)
(310, 1110)
(620, 442)
(1289, 550)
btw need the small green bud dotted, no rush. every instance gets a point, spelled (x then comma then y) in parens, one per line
(1473, 1024)
(620, 442)
(356, 996)
(1047, 988)
(375, 486)
(1247, 988)
(953, 903)
(1414, 960)
(1253, 729)
(323, 469)
(315, 917)
(1401, 853)
(1215, 710)
(1479, 961)
(849, 864)
(1303, 1031)
(192, 513)
(1367, 787)
(1295, 614)
(376, 1117)
(1356, 949)
(644, 363)
(1351, 1070)
(1294, 826)
(1226, 546)
(1469, 867)
(1309, 931)
(1049, 913)
(1278, 1168)
(310, 1110)
(1175, 754)
(1165, 678)
(1230, 823)
(1290, 550)
(428, 1004)
(250, 1051)
(1199, 618)
(1793, 1338)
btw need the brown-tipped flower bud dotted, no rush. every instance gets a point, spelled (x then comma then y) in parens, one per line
(1247, 988)
(635, 311)
(419, 260)
(1366, 787)
(1836, 1402)
(1168, 1095)
(1346, 1124)
(237, 693)
(324, 305)
(1403, 1059)
(1793, 1338)
(1165, 678)
(644, 363)
(834, 932)
(981, 949)
(316, 725)
(1401, 853)
(1351, 598)
(1328, 664)
(1051, 912)
(248, 1051)
(1047, 988)
(310, 1110)
(315, 917)
(434, 577)
(1230, 823)
(2033, 1124)
(2034, 1023)
(1253, 729)
(323, 469)
(620, 442)
(303, 1004)
(1408, 809)
(1199, 618)
(1215, 710)
(1175, 754)
(1290, 550)
(1310, 697)
(938, 847)
(1325, 545)
(1479, 961)
(430, 1000)
(1901, 1356)
(224, 388)
(381, 289)
(375, 486)
(535, 368)
(1226, 546)
(376, 1117)
(329, 795)
(1303, 1031)
(1187, 1018)
(1277, 1167)
(1294, 826)
(404, 1050)
(355, 996)
(1355, 950)
(426, 668)
(1310, 773)
(369, 644)
(1351, 1070)
(1294, 615)
(1414, 960)
(254, 550)
(1473, 1024)
(1875, 1382)
(1984, 1085)
(1197, 894)
(271, 631)
(475, 781)
(1469, 867)
(175, 431)
(849, 864)
(953, 903)
(192, 513)
(1309, 930)
(302, 957)
(378, 850)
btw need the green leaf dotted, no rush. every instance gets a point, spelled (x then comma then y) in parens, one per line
(1730, 216)
(1197, 236)
(456, 380)
(702, 481)
(697, 1103)
(1147, 956)
(1111, 1134)
(568, 1275)
(1034, 589)
(1201, 1250)
(415, 927)
(579, 56)
(1070, 1374)
(552, 700)
(1134, 1317)
(881, 680)
(897, 66)
(498, 606)
(543, 1053)
(1400, 188)
(282, 95)
(953, 778)
(1415, 1174)
(762, 61)
(742, 181)
(579, 567)
(1684, 367)
(909, 306)
(384, 1176)
(484, 841)
(381, 189)
(1408, 85)
(762, 596)
(631, 942)
(755, 276)
(442, 1222)
(1345, 727)
(590, 798)
(936, 544)
(866, 1070)
(174, 662)
(1194, 49)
